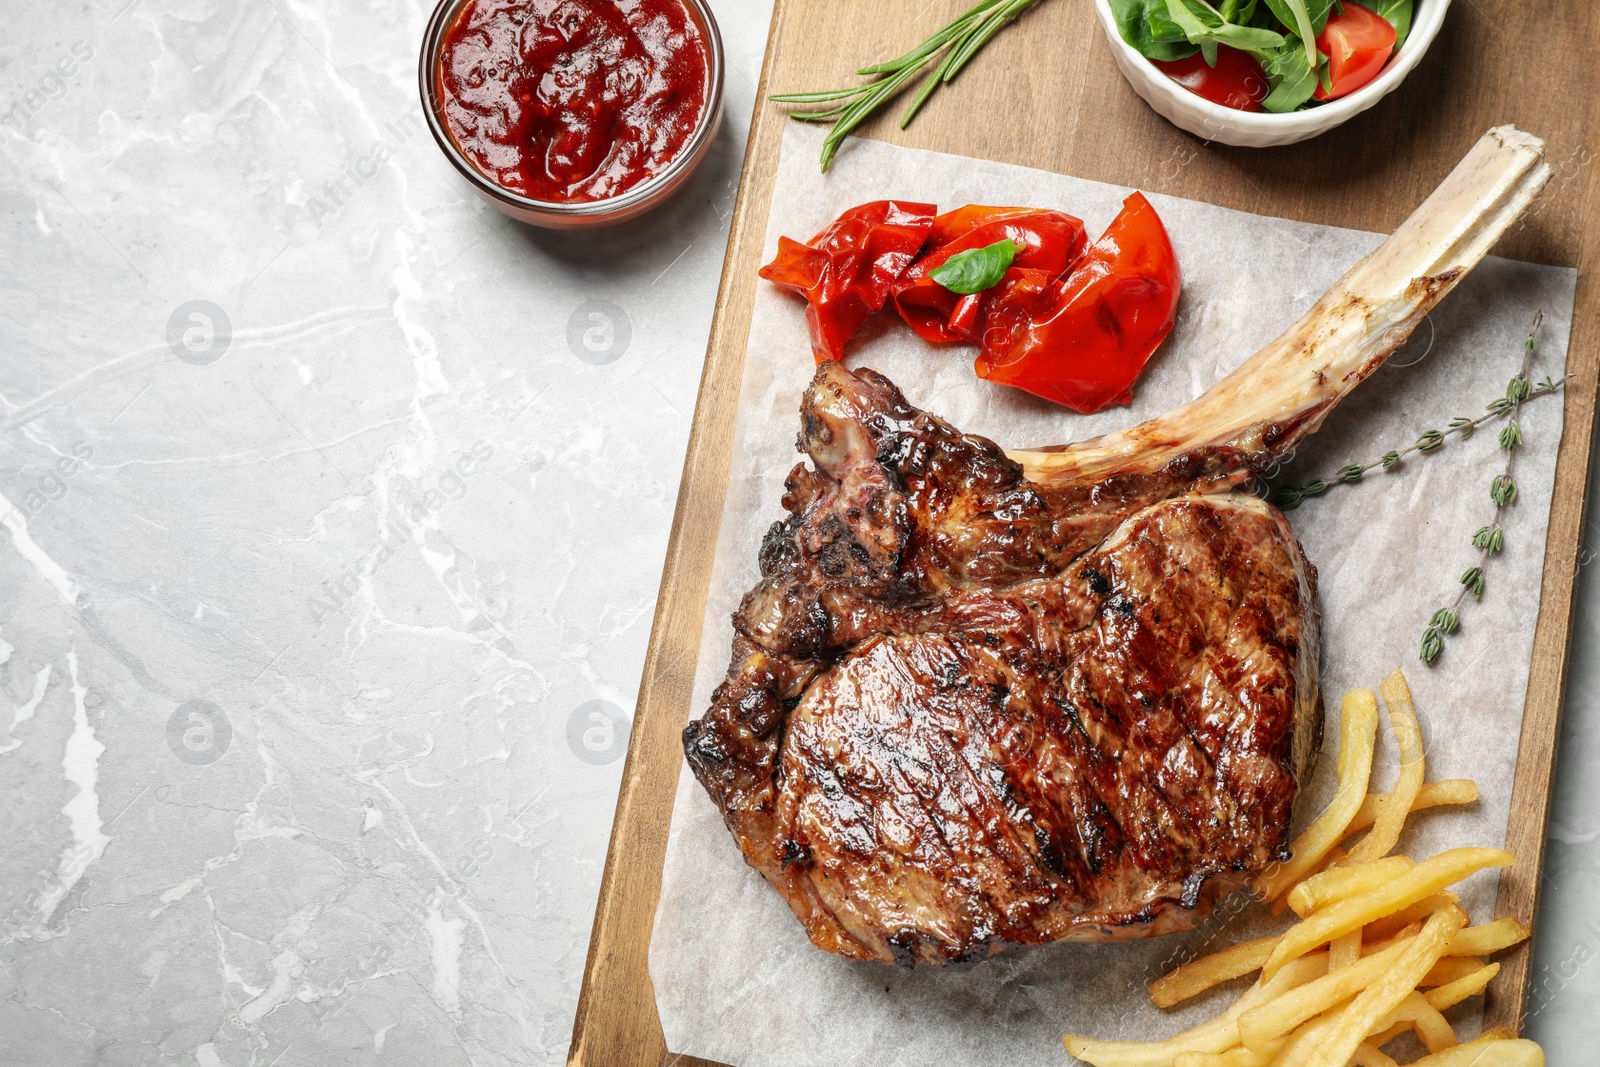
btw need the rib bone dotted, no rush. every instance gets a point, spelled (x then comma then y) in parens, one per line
(1259, 412)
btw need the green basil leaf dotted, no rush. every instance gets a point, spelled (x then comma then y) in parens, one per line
(1293, 80)
(1145, 26)
(1398, 12)
(976, 269)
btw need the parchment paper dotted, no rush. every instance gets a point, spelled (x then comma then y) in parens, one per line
(736, 980)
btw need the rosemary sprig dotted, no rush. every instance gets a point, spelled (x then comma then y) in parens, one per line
(1491, 539)
(950, 49)
(1289, 497)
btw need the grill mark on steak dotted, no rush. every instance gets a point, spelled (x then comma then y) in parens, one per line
(966, 710)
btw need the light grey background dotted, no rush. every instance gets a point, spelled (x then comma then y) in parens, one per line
(321, 621)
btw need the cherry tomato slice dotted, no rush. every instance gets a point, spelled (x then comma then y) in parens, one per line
(1237, 80)
(1049, 241)
(1083, 340)
(1358, 44)
(847, 271)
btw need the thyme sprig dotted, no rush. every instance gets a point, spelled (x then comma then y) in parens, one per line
(1489, 540)
(948, 50)
(1289, 497)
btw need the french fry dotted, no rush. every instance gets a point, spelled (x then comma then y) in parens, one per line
(1277, 1017)
(1468, 985)
(1234, 1057)
(1438, 794)
(1297, 1046)
(1334, 858)
(1389, 925)
(1424, 1008)
(1432, 1028)
(1489, 938)
(1199, 975)
(1388, 1033)
(1486, 1051)
(1344, 951)
(1385, 833)
(1328, 886)
(1216, 1036)
(1358, 737)
(1414, 1012)
(1450, 969)
(1352, 913)
(1369, 1056)
(1392, 986)
(1409, 930)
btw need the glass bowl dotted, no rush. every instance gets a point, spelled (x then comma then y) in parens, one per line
(555, 215)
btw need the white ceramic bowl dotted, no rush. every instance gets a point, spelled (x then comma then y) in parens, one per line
(1259, 129)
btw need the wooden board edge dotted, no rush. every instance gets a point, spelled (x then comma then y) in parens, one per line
(1506, 999)
(617, 1023)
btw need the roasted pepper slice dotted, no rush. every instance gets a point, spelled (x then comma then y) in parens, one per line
(1047, 241)
(846, 272)
(1084, 339)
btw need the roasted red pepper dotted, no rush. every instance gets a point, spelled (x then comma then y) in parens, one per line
(1083, 340)
(847, 271)
(1048, 241)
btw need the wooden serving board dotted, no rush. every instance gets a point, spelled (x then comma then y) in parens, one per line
(1046, 94)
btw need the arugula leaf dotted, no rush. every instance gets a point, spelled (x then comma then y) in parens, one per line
(1238, 12)
(1398, 12)
(1262, 18)
(1247, 39)
(1293, 80)
(1319, 10)
(1164, 29)
(976, 269)
(1144, 25)
(1207, 29)
(1181, 13)
(1297, 16)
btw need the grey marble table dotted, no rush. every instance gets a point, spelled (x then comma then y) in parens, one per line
(334, 508)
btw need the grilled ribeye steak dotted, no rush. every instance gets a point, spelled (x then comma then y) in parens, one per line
(980, 699)
(967, 709)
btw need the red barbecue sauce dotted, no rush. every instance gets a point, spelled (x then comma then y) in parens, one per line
(572, 100)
